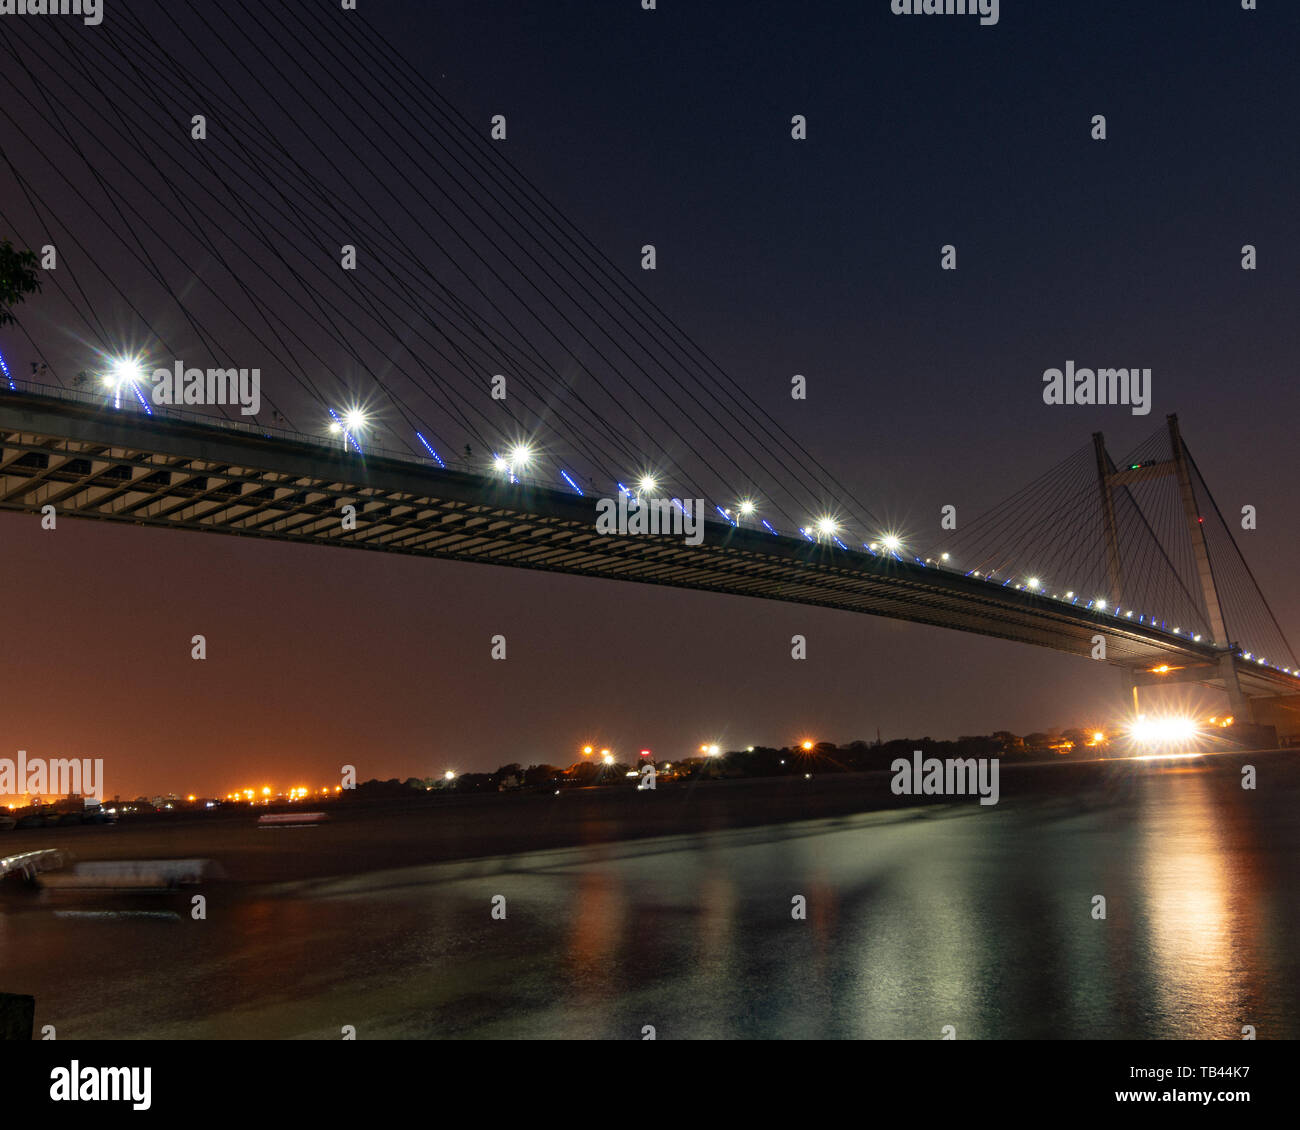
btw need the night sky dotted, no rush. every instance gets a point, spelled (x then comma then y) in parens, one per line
(819, 257)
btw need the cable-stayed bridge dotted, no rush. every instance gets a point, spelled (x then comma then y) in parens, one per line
(90, 460)
(263, 195)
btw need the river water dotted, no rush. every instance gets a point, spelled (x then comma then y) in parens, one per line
(982, 918)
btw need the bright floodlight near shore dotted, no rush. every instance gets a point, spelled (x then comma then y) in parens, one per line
(713, 751)
(608, 758)
(1163, 731)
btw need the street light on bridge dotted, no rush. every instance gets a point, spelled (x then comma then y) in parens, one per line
(520, 455)
(350, 426)
(125, 372)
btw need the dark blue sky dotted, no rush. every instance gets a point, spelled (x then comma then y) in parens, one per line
(821, 257)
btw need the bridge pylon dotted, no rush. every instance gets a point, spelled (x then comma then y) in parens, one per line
(1177, 466)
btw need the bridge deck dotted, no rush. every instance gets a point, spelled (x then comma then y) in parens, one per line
(95, 462)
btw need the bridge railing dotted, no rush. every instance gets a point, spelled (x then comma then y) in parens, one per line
(268, 431)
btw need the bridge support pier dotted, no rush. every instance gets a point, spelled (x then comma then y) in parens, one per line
(1241, 706)
(1128, 680)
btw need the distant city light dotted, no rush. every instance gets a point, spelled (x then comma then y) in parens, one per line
(806, 746)
(450, 775)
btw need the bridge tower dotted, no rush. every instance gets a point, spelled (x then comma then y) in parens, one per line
(1109, 478)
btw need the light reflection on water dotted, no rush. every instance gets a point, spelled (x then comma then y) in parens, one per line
(1204, 905)
(963, 915)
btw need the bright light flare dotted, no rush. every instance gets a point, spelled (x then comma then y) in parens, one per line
(124, 369)
(125, 373)
(1168, 730)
